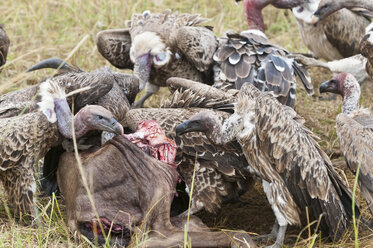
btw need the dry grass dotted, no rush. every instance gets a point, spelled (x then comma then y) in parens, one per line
(41, 29)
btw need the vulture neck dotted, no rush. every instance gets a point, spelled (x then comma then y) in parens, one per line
(221, 134)
(253, 13)
(64, 120)
(351, 98)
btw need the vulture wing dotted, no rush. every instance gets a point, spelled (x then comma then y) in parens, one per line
(347, 43)
(251, 58)
(288, 147)
(114, 45)
(4, 45)
(366, 49)
(356, 140)
(198, 44)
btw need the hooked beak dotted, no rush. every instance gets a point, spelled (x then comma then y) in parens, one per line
(187, 126)
(327, 86)
(142, 69)
(116, 127)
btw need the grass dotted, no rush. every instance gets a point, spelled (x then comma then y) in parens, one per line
(42, 29)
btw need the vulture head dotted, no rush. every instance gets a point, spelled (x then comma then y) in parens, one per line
(204, 121)
(95, 117)
(346, 85)
(147, 50)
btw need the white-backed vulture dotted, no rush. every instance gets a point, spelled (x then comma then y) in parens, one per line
(132, 193)
(355, 131)
(4, 46)
(219, 176)
(296, 174)
(27, 138)
(161, 45)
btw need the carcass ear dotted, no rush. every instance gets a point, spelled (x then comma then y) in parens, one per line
(114, 45)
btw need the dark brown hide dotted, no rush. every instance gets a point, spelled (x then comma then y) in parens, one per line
(131, 188)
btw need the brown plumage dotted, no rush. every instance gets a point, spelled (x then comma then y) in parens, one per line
(335, 37)
(354, 128)
(27, 138)
(111, 90)
(281, 151)
(161, 45)
(219, 171)
(4, 46)
(251, 58)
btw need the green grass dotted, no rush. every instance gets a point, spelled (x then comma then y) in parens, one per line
(41, 29)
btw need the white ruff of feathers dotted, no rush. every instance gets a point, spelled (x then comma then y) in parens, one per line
(49, 91)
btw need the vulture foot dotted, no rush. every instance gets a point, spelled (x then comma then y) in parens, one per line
(271, 236)
(280, 238)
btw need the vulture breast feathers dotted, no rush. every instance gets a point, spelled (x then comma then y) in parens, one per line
(251, 58)
(220, 174)
(175, 43)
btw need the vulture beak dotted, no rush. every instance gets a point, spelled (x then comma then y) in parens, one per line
(188, 126)
(328, 86)
(142, 68)
(116, 127)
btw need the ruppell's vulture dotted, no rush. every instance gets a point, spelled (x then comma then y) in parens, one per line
(27, 138)
(355, 131)
(158, 46)
(296, 174)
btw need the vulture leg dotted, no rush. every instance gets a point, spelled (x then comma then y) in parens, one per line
(280, 238)
(272, 235)
(150, 89)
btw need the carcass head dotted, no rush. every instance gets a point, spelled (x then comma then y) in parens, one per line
(150, 137)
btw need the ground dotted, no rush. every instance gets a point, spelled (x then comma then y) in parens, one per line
(42, 29)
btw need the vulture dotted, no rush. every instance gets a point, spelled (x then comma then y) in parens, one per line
(4, 46)
(354, 128)
(111, 90)
(132, 194)
(327, 8)
(297, 176)
(249, 57)
(158, 46)
(28, 137)
(219, 169)
(337, 36)
(196, 54)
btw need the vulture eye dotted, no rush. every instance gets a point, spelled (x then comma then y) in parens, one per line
(300, 9)
(100, 117)
(160, 57)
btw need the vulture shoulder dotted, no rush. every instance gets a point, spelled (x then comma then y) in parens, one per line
(251, 58)
(355, 133)
(198, 44)
(344, 30)
(4, 45)
(114, 45)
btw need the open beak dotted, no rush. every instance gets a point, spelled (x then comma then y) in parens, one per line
(142, 69)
